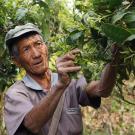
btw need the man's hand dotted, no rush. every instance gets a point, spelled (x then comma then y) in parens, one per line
(65, 65)
(104, 86)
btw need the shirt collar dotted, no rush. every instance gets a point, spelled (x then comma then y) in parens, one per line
(31, 83)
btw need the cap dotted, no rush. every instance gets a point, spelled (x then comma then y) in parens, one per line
(19, 31)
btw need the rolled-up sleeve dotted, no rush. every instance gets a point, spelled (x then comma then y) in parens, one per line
(17, 105)
(83, 97)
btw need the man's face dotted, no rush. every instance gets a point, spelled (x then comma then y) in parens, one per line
(33, 55)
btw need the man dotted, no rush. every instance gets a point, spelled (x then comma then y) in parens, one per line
(31, 103)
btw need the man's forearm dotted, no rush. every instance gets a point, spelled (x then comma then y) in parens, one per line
(104, 86)
(42, 112)
(107, 81)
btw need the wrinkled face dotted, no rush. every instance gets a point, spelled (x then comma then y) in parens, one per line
(33, 55)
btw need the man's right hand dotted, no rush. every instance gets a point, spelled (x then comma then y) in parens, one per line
(65, 64)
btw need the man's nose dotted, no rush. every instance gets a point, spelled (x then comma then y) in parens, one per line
(35, 53)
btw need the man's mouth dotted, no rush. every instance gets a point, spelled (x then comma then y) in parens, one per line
(37, 62)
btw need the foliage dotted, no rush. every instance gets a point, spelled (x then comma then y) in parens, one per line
(19, 12)
(93, 26)
(111, 22)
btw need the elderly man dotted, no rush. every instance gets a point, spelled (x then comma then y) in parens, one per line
(31, 103)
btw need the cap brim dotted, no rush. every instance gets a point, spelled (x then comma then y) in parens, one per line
(22, 32)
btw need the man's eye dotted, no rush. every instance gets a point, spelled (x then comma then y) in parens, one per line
(39, 43)
(25, 49)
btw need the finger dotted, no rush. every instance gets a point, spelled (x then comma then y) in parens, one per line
(69, 69)
(75, 51)
(72, 54)
(69, 56)
(65, 64)
(65, 58)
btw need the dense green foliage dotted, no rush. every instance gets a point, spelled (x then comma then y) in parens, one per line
(91, 25)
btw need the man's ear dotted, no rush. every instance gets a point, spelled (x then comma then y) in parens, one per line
(46, 49)
(16, 62)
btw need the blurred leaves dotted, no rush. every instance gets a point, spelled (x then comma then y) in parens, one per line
(119, 15)
(102, 5)
(116, 33)
(91, 25)
(20, 13)
(75, 36)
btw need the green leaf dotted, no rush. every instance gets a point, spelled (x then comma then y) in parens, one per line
(130, 17)
(130, 38)
(50, 2)
(3, 83)
(114, 3)
(88, 17)
(45, 30)
(118, 16)
(131, 25)
(106, 4)
(74, 36)
(21, 12)
(44, 5)
(132, 30)
(116, 33)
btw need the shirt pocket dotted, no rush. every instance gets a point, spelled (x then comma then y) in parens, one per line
(74, 121)
(73, 111)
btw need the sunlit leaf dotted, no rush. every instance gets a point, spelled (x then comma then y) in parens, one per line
(130, 38)
(118, 16)
(21, 12)
(130, 17)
